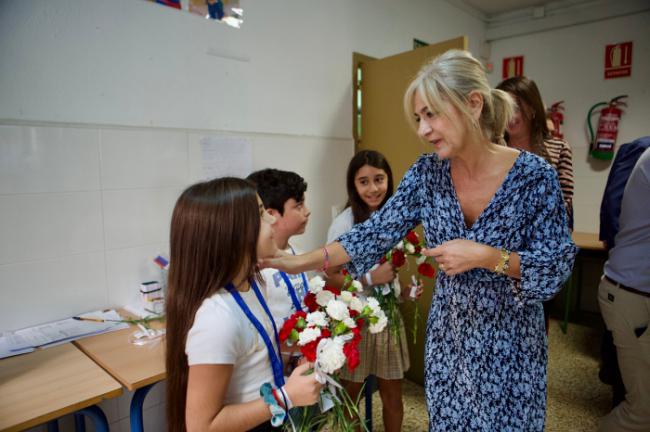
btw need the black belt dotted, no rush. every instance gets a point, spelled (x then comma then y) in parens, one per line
(627, 288)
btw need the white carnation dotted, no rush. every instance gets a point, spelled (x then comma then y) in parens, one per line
(380, 325)
(317, 318)
(308, 335)
(346, 296)
(400, 245)
(356, 304)
(329, 355)
(324, 297)
(337, 310)
(316, 284)
(419, 260)
(409, 248)
(385, 289)
(357, 286)
(374, 305)
(349, 322)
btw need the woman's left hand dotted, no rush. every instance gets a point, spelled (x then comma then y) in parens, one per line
(458, 256)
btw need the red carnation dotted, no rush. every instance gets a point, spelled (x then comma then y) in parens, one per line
(309, 350)
(352, 355)
(412, 237)
(287, 328)
(418, 249)
(333, 290)
(325, 333)
(344, 272)
(398, 258)
(356, 332)
(310, 302)
(383, 260)
(426, 270)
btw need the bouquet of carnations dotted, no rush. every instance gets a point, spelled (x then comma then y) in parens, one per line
(328, 335)
(388, 294)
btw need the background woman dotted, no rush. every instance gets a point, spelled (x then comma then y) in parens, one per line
(495, 222)
(528, 130)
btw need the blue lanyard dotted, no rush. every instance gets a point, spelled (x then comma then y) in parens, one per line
(292, 291)
(276, 359)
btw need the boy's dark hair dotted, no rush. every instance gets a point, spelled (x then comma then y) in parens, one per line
(276, 187)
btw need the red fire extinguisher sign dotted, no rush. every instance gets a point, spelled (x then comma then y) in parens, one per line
(618, 60)
(513, 66)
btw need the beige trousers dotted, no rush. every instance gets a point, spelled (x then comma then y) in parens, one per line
(627, 316)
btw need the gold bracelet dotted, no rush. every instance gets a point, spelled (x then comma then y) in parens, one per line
(504, 262)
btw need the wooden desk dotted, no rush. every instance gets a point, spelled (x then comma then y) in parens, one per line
(49, 383)
(132, 365)
(588, 241)
(137, 367)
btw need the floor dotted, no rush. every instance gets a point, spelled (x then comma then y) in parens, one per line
(576, 398)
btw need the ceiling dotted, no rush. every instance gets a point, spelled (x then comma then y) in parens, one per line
(494, 7)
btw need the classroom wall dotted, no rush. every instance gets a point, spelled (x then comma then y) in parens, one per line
(568, 64)
(102, 109)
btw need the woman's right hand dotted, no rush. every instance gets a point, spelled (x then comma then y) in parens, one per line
(302, 388)
(385, 273)
(282, 261)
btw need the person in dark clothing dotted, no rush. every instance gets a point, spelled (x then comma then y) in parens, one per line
(610, 210)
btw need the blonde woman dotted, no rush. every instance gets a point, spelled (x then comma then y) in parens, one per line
(495, 222)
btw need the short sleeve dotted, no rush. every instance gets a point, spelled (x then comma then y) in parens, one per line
(213, 338)
(340, 225)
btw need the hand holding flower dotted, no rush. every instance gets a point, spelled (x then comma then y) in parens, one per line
(302, 387)
(460, 255)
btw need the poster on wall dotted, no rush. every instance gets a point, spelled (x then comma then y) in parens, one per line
(513, 66)
(618, 60)
(226, 156)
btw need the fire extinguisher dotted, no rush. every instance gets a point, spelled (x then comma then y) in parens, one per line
(602, 145)
(557, 117)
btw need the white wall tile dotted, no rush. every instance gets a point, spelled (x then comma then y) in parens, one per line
(43, 291)
(38, 226)
(127, 268)
(138, 217)
(48, 159)
(143, 158)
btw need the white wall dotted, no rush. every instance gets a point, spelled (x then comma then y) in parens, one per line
(103, 105)
(568, 64)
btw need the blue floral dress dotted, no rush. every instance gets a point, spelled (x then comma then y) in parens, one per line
(485, 353)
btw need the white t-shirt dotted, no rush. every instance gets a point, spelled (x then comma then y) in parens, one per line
(223, 334)
(279, 299)
(341, 225)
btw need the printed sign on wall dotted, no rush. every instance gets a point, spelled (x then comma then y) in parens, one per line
(513, 66)
(618, 60)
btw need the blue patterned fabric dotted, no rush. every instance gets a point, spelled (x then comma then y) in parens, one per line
(485, 353)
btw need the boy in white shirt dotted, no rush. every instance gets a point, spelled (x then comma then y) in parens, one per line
(283, 195)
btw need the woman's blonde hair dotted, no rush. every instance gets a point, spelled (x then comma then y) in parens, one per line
(451, 77)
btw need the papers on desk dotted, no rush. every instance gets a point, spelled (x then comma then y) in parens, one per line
(58, 332)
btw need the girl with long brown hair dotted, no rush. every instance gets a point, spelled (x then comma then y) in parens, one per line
(221, 341)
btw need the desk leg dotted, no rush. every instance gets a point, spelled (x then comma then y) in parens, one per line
(97, 416)
(79, 422)
(53, 426)
(567, 304)
(136, 408)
